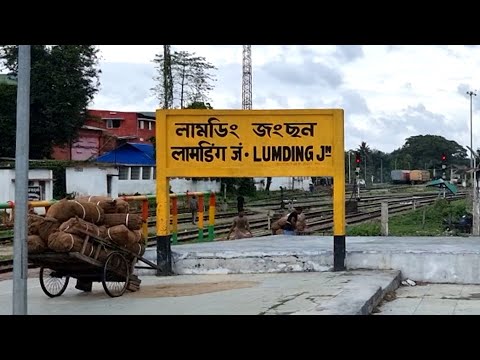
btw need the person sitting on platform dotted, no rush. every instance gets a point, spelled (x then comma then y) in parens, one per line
(289, 228)
(240, 227)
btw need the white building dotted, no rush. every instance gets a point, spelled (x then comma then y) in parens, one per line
(136, 171)
(289, 183)
(87, 179)
(40, 185)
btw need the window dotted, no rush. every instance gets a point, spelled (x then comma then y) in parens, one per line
(123, 173)
(146, 172)
(141, 124)
(113, 123)
(135, 173)
(154, 173)
(150, 125)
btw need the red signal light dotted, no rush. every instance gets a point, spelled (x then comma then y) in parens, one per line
(444, 157)
(357, 158)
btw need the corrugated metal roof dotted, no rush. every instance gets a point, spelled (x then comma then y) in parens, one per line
(130, 154)
(147, 113)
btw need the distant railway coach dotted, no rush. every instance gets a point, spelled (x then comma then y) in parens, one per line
(400, 176)
(410, 176)
(419, 176)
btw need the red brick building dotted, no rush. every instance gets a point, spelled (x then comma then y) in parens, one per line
(104, 131)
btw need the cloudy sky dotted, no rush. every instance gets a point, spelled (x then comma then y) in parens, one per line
(388, 92)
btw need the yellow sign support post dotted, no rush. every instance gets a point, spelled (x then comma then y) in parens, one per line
(250, 143)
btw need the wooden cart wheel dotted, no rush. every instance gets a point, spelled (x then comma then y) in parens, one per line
(52, 283)
(116, 275)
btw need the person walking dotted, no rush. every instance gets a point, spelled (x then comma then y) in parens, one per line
(240, 203)
(193, 204)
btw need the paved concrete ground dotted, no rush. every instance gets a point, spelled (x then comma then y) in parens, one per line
(427, 259)
(348, 293)
(434, 299)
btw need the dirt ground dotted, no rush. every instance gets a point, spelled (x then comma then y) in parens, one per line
(174, 290)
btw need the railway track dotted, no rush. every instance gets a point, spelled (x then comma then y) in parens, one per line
(6, 266)
(322, 216)
(320, 206)
(319, 219)
(313, 201)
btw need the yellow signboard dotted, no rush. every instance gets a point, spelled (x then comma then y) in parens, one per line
(251, 143)
(236, 143)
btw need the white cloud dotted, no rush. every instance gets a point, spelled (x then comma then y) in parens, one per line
(388, 92)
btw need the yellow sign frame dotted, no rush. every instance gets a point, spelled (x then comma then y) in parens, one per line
(311, 133)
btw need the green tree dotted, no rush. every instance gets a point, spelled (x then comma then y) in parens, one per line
(424, 151)
(192, 78)
(63, 81)
(199, 105)
(8, 106)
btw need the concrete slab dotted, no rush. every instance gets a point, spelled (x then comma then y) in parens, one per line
(350, 292)
(425, 259)
(434, 299)
(400, 306)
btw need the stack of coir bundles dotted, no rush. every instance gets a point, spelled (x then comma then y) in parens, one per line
(61, 230)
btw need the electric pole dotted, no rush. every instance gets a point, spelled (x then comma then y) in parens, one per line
(247, 78)
(20, 250)
(471, 94)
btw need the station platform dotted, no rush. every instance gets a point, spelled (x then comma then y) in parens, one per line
(425, 259)
(274, 275)
(317, 293)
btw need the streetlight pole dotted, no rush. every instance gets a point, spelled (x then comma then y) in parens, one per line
(471, 94)
(475, 210)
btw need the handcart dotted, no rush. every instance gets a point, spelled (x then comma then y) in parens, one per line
(114, 269)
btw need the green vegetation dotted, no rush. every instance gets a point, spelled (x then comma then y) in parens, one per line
(5, 234)
(64, 80)
(412, 224)
(183, 78)
(420, 152)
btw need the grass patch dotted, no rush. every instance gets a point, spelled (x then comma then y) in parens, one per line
(411, 223)
(5, 234)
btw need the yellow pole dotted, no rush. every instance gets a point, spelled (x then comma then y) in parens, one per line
(339, 251)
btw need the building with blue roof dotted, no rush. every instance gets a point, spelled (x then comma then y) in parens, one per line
(136, 167)
(130, 154)
(136, 171)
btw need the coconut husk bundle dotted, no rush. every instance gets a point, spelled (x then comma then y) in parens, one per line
(42, 226)
(63, 242)
(122, 236)
(77, 226)
(131, 221)
(137, 248)
(109, 205)
(35, 244)
(31, 218)
(103, 254)
(66, 209)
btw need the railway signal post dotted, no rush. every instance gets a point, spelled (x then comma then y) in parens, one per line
(358, 160)
(444, 171)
